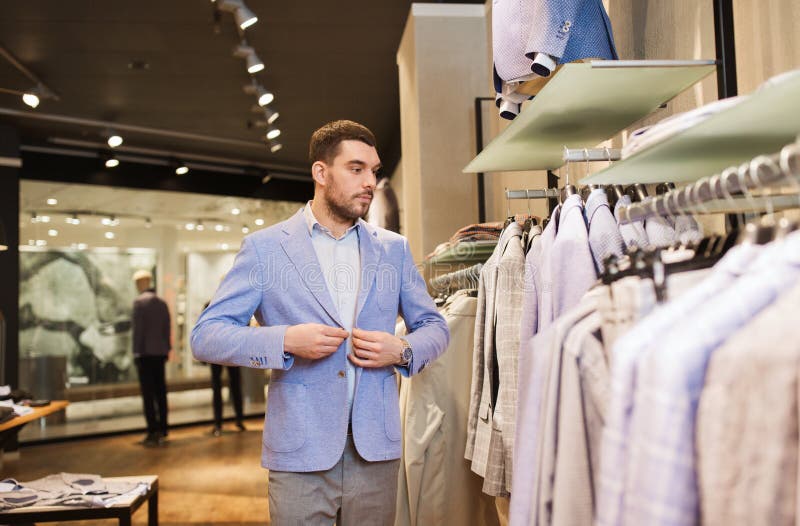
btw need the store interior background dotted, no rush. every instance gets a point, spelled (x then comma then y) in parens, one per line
(438, 59)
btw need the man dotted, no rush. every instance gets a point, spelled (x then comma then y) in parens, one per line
(326, 288)
(151, 345)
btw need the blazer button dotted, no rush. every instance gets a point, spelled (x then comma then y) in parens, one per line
(341, 374)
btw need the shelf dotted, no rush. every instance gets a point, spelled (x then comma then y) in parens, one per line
(762, 124)
(585, 104)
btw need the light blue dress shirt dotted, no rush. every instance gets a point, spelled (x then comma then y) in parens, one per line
(340, 261)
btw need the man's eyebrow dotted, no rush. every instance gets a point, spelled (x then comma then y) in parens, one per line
(358, 162)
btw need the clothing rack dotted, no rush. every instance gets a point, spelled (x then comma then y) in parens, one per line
(545, 193)
(710, 194)
(580, 155)
(463, 279)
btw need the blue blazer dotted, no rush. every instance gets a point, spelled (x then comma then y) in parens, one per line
(276, 277)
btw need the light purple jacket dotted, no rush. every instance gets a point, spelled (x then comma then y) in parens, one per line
(276, 277)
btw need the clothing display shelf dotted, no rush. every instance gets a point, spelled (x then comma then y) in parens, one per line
(583, 105)
(764, 122)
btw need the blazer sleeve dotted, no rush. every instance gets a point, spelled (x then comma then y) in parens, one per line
(223, 334)
(551, 32)
(427, 329)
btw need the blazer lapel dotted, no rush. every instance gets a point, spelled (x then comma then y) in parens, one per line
(298, 247)
(370, 255)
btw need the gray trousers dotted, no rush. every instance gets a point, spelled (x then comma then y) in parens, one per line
(354, 492)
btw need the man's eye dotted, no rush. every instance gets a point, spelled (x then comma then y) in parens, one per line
(357, 170)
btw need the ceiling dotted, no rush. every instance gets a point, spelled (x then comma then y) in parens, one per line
(324, 61)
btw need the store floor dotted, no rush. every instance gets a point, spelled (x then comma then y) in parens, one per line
(203, 480)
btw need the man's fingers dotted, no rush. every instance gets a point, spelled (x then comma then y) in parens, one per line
(365, 344)
(370, 336)
(336, 332)
(365, 353)
(361, 363)
(328, 341)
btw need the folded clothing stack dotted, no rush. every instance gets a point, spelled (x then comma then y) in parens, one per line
(68, 489)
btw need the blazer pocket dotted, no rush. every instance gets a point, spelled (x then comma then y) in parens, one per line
(391, 408)
(285, 426)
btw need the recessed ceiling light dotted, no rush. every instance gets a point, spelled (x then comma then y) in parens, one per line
(190, 226)
(182, 170)
(43, 219)
(259, 221)
(200, 226)
(236, 211)
(245, 230)
(52, 232)
(41, 243)
(52, 201)
(112, 162)
(110, 235)
(219, 228)
(224, 246)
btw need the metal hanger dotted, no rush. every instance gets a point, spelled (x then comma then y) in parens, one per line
(785, 225)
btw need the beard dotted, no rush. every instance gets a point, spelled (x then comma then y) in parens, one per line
(345, 207)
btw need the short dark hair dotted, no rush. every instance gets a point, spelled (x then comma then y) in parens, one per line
(325, 141)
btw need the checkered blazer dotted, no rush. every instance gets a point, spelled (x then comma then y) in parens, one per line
(492, 421)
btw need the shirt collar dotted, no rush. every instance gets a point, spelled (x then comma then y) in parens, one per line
(596, 199)
(311, 222)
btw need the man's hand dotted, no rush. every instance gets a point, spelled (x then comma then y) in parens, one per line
(313, 340)
(375, 349)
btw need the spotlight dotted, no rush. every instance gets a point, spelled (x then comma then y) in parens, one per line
(182, 169)
(200, 226)
(110, 159)
(74, 220)
(271, 115)
(190, 226)
(245, 229)
(52, 232)
(36, 94)
(110, 235)
(112, 138)
(254, 64)
(235, 211)
(264, 96)
(273, 133)
(219, 228)
(52, 201)
(30, 98)
(110, 221)
(275, 147)
(259, 222)
(244, 17)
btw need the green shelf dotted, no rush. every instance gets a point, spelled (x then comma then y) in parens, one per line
(585, 104)
(762, 124)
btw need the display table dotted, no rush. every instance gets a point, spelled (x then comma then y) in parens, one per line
(122, 511)
(11, 427)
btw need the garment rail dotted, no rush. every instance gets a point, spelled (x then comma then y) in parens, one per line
(717, 193)
(464, 278)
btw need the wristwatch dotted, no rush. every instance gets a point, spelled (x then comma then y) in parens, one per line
(407, 354)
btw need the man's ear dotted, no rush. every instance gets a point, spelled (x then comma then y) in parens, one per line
(319, 172)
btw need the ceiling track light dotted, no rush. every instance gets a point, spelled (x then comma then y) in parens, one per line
(275, 147)
(273, 133)
(109, 159)
(180, 167)
(36, 94)
(112, 138)
(254, 64)
(244, 17)
(264, 96)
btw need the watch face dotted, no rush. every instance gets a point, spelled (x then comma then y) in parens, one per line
(407, 354)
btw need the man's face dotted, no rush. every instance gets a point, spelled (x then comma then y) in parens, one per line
(350, 180)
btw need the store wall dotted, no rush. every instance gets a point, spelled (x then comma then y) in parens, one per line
(443, 65)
